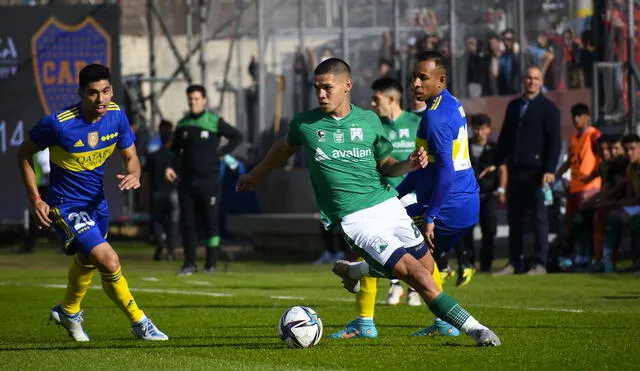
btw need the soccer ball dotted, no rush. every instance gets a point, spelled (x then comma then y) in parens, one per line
(300, 327)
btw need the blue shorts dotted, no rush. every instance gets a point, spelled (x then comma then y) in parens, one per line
(81, 226)
(446, 237)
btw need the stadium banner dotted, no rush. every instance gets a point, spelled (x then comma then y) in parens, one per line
(42, 49)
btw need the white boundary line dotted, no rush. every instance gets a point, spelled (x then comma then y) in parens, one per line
(302, 298)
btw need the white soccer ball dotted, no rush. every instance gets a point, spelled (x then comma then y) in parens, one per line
(300, 327)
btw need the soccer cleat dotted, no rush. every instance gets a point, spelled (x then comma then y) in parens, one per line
(341, 269)
(358, 328)
(413, 298)
(439, 328)
(187, 271)
(465, 276)
(146, 330)
(506, 271)
(485, 337)
(395, 293)
(447, 273)
(540, 269)
(72, 323)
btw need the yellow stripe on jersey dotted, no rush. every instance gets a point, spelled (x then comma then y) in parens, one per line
(68, 114)
(80, 161)
(423, 143)
(61, 222)
(113, 107)
(435, 104)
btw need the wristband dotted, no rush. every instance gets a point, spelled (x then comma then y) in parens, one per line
(500, 190)
(36, 198)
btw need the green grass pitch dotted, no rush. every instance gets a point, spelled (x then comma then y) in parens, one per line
(228, 320)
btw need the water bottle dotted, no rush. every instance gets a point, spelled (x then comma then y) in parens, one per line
(548, 194)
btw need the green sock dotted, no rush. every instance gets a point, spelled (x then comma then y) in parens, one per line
(213, 251)
(447, 308)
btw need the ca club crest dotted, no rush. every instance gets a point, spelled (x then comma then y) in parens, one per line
(59, 52)
(93, 138)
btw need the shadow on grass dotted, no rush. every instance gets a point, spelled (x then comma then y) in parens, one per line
(621, 297)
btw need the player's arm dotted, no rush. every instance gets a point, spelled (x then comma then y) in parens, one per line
(391, 168)
(233, 135)
(408, 184)
(441, 147)
(130, 180)
(25, 157)
(276, 157)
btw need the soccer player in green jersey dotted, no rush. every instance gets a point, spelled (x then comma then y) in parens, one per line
(349, 156)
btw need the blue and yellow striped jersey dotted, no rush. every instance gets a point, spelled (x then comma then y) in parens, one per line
(78, 151)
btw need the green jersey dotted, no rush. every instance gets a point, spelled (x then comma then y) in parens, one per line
(342, 156)
(402, 135)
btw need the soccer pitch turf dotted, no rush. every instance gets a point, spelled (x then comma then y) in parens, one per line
(228, 320)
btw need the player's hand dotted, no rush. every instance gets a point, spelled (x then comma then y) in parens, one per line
(502, 198)
(429, 234)
(247, 182)
(486, 171)
(41, 213)
(128, 182)
(170, 175)
(418, 159)
(548, 178)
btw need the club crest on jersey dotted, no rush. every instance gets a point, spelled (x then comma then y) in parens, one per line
(338, 136)
(405, 133)
(59, 52)
(356, 134)
(93, 138)
(321, 135)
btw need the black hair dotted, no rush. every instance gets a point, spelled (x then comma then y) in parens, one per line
(165, 123)
(480, 119)
(437, 57)
(335, 66)
(384, 84)
(93, 73)
(631, 138)
(383, 61)
(197, 88)
(580, 109)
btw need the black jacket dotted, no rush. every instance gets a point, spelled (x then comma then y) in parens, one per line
(533, 141)
(489, 182)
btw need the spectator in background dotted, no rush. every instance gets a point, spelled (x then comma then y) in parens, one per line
(582, 162)
(385, 69)
(541, 55)
(493, 61)
(163, 208)
(253, 69)
(587, 57)
(509, 77)
(492, 185)
(476, 68)
(529, 144)
(430, 43)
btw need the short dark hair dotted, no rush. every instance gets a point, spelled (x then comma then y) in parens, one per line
(383, 61)
(333, 65)
(437, 57)
(165, 123)
(93, 73)
(612, 139)
(384, 84)
(197, 88)
(480, 119)
(580, 109)
(631, 138)
(508, 30)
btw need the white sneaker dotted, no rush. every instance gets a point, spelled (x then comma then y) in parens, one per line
(413, 298)
(395, 293)
(325, 258)
(146, 330)
(72, 323)
(484, 337)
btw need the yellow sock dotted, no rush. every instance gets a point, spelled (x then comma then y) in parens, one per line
(78, 280)
(436, 276)
(366, 297)
(117, 289)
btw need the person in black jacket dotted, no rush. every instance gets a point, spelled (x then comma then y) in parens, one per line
(492, 183)
(529, 144)
(196, 144)
(163, 208)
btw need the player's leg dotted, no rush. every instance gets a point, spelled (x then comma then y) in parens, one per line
(173, 226)
(188, 228)
(157, 213)
(208, 200)
(599, 223)
(615, 220)
(489, 229)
